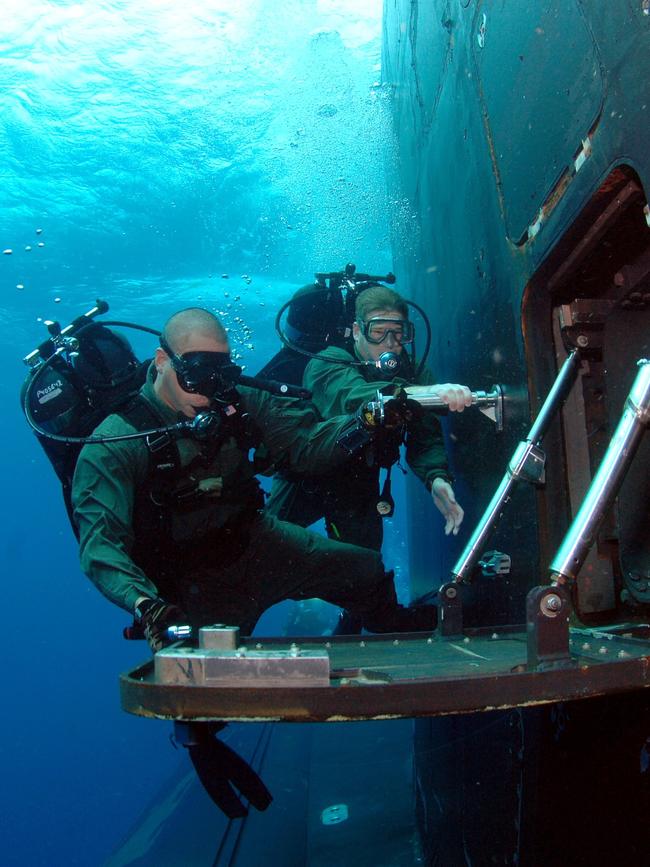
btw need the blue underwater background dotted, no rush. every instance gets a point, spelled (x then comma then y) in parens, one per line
(155, 155)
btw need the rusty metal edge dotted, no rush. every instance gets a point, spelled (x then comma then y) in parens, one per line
(424, 697)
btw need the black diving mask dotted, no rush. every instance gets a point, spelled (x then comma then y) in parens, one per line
(208, 373)
(377, 329)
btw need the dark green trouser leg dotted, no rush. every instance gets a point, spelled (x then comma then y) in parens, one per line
(284, 561)
(294, 563)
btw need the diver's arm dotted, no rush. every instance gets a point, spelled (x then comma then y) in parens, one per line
(103, 492)
(297, 440)
(426, 455)
(425, 449)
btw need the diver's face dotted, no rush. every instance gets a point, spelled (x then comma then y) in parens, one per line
(167, 385)
(388, 328)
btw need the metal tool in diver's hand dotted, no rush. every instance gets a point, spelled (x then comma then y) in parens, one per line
(490, 403)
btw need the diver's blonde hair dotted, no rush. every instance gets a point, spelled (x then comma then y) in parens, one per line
(379, 298)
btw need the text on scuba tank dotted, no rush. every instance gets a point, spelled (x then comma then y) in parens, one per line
(50, 391)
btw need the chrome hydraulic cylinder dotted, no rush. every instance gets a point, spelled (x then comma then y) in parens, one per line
(527, 464)
(607, 481)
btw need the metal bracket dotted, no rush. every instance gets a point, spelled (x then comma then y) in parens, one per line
(494, 563)
(450, 611)
(528, 464)
(582, 324)
(491, 405)
(547, 627)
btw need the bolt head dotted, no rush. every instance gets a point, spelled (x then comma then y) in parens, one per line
(552, 603)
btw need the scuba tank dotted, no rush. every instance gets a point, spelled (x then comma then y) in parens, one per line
(70, 394)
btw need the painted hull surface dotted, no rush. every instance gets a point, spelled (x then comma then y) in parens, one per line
(521, 134)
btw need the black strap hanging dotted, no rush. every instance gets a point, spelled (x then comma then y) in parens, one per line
(386, 504)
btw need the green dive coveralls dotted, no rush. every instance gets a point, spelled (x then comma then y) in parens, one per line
(346, 496)
(199, 538)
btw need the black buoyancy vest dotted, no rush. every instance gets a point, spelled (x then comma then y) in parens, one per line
(171, 499)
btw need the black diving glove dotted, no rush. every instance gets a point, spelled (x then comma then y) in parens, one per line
(394, 411)
(155, 617)
(400, 410)
(371, 418)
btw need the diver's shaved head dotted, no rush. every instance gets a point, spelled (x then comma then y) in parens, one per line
(192, 323)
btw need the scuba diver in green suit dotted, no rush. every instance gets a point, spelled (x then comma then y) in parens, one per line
(341, 380)
(171, 525)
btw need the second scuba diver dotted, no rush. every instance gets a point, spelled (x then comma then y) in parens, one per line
(341, 381)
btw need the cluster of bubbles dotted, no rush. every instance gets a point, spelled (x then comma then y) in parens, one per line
(8, 251)
(240, 334)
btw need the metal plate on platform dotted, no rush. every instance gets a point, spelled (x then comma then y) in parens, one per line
(290, 667)
(399, 676)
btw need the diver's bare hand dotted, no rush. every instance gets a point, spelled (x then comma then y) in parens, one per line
(457, 397)
(444, 498)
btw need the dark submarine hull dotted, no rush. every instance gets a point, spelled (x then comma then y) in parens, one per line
(522, 157)
(522, 142)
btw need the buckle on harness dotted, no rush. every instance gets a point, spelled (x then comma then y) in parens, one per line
(158, 441)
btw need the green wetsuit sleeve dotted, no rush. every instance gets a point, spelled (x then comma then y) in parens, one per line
(425, 450)
(425, 447)
(340, 388)
(103, 493)
(296, 439)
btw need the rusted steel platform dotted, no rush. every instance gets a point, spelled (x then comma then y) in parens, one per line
(379, 677)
